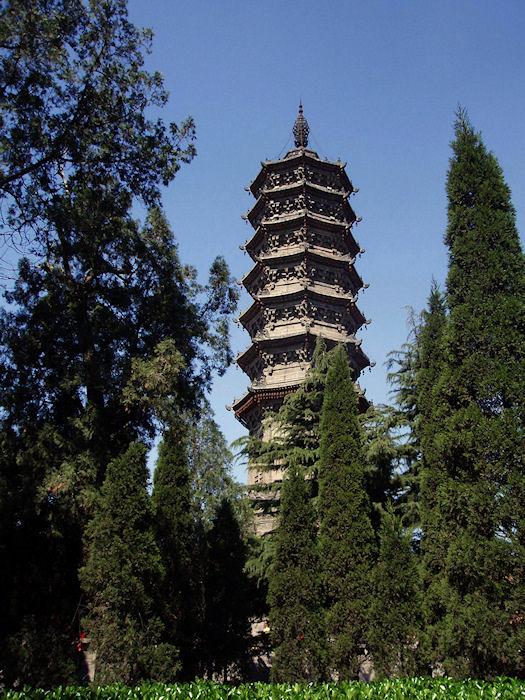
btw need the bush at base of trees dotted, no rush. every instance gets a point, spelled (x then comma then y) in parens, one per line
(406, 688)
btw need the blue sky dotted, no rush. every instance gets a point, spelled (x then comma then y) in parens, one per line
(380, 81)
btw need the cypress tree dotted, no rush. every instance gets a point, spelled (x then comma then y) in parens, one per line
(395, 613)
(226, 626)
(180, 546)
(477, 595)
(347, 542)
(432, 476)
(120, 578)
(294, 596)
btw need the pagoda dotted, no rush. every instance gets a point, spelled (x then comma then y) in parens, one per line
(303, 282)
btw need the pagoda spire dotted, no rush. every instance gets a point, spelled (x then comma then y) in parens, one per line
(303, 285)
(301, 129)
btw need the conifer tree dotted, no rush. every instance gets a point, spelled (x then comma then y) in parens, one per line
(120, 578)
(181, 547)
(395, 613)
(295, 594)
(479, 414)
(403, 366)
(431, 359)
(347, 541)
(226, 625)
(104, 332)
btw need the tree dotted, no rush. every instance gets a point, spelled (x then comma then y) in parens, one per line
(210, 463)
(93, 361)
(384, 456)
(434, 540)
(295, 594)
(227, 609)
(74, 101)
(346, 537)
(181, 547)
(402, 420)
(476, 597)
(92, 354)
(395, 612)
(121, 575)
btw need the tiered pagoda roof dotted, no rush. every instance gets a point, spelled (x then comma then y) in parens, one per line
(303, 282)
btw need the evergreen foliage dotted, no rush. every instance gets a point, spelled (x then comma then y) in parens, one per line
(121, 576)
(395, 612)
(384, 458)
(476, 598)
(295, 592)
(227, 605)
(181, 546)
(92, 354)
(74, 105)
(210, 463)
(403, 365)
(346, 537)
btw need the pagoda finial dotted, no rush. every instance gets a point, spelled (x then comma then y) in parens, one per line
(301, 129)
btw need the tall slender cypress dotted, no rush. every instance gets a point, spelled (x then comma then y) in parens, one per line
(347, 542)
(178, 541)
(226, 626)
(395, 613)
(121, 575)
(479, 416)
(294, 587)
(432, 476)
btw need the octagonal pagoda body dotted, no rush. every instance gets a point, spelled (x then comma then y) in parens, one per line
(303, 282)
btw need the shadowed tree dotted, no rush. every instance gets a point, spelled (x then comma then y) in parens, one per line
(295, 592)
(346, 537)
(395, 612)
(121, 578)
(475, 602)
(227, 605)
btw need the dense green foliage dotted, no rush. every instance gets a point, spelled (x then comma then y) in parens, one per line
(105, 335)
(475, 457)
(121, 578)
(227, 606)
(394, 624)
(295, 592)
(180, 543)
(346, 537)
(74, 99)
(406, 689)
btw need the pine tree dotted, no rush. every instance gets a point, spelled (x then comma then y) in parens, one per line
(227, 609)
(403, 418)
(181, 546)
(92, 354)
(476, 595)
(295, 594)
(347, 541)
(210, 465)
(395, 613)
(120, 578)
(384, 458)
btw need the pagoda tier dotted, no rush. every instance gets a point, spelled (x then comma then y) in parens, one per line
(301, 229)
(303, 282)
(313, 307)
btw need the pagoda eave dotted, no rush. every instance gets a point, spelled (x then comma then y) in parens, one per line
(303, 212)
(309, 334)
(254, 397)
(292, 158)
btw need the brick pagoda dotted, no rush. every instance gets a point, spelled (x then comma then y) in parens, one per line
(303, 282)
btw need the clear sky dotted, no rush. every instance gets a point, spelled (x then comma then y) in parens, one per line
(380, 81)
